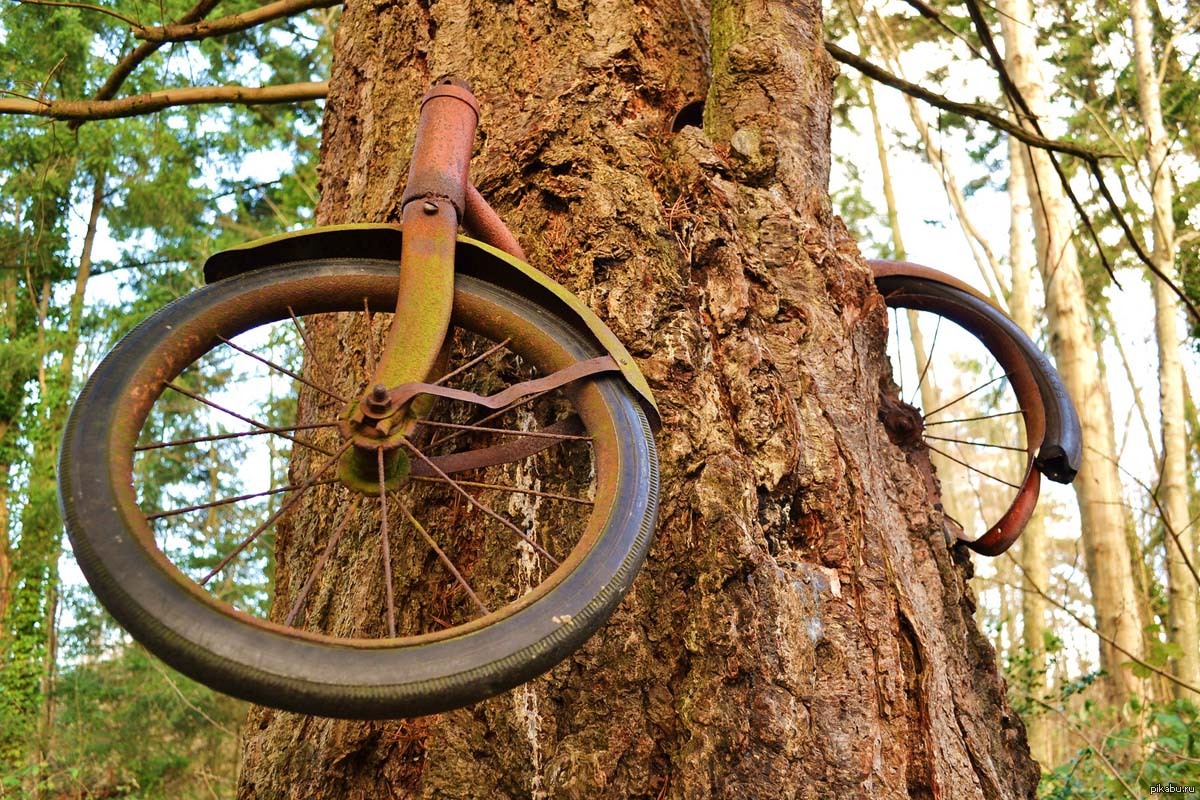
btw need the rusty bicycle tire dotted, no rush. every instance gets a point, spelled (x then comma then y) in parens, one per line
(264, 661)
(1053, 440)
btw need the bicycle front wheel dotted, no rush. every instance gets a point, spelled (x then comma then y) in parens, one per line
(200, 487)
(989, 406)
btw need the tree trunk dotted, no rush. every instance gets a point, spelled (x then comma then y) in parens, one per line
(1035, 568)
(5, 541)
(800, 628)
(28, 674)
(1172, 486)
(1098, 486)
(981, 250)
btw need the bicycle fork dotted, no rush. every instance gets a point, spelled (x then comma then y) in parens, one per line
(433, 203)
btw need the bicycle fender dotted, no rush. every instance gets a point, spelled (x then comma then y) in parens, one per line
(474, 258)
(1061, 451)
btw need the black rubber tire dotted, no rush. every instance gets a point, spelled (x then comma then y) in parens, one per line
(218, 646)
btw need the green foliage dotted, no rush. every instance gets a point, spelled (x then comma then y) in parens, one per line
(870, 226)
(1146, 744)
(1160, 747)
(176, 187)
(129, 727)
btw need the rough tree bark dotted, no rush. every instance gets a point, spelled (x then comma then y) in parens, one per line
(800, 629)
(1103, 519)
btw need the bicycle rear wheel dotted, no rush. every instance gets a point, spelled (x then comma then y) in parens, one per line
(199, 482)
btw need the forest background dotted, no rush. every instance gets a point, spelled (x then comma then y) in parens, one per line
(933, 172)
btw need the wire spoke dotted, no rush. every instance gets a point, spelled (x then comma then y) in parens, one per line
(228, 500)
(506, 431)
(490, 417)
(387, 547)
(330, 546)
(370, 335)
(928, 361)
(317, 367)
(972, 467)
(291, 501)
(261, 426)
(972, 419)
(220, 436)
(962, 397)
(284, 370)
(472, 362)
(977, 444)
(445, 559)
(899, 349)
(475, 502)
(500, 488)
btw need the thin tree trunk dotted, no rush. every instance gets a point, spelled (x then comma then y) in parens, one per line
(9, 396)
(800, 629)
(1035, 568)
(926, 380)
(1098, 487)
(985, 257)
(31, 624)
(6, 541)
(1139, 405)
(57, 418)
(1184, 629)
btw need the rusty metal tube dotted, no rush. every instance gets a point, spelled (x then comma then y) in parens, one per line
(483, 223)
(442, 151)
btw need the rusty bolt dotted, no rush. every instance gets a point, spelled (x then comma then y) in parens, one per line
(379, 393)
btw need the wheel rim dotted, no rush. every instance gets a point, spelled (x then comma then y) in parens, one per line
(241, 586)
(974, 409)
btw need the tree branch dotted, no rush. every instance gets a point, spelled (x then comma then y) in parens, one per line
(84, 6)
(191, 31)
(1015, 96)
(129, 63)
(1022, 110)
(1085, 625)
(1089, 156)
(972, 110)
(139, 104)
(1075, 729)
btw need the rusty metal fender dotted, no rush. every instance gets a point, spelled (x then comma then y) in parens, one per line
(382, 241)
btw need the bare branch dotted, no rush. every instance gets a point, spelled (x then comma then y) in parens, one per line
(1031, 139)
(129, 63)
(1137, 245)
(85, 7)
(139, 104)
(1022, 110)
(1089, 627)
(1078, 731)
(972, 110)
(191, 31)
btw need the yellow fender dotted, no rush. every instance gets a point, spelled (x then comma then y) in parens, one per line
(474, 258)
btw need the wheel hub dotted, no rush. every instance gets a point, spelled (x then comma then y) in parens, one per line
(371, 425)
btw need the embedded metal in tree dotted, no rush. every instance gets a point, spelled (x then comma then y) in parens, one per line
(493, 389)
